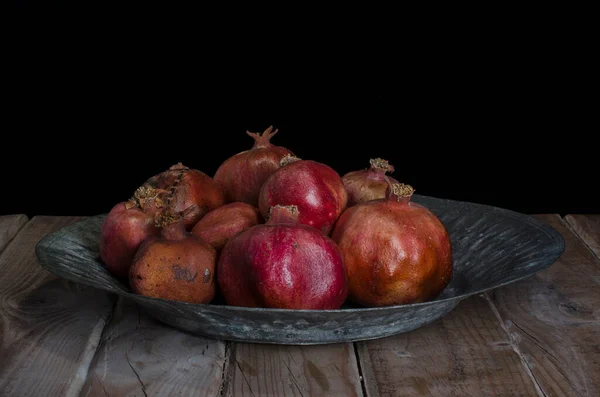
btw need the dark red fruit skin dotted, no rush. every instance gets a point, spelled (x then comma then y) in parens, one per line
(395, 252)
(368, 184)
(243, 174)
(282, 266)
(315, 188)
(178, 189)
(122, 232)
(220, 225)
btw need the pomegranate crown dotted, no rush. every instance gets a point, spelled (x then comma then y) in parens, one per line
(380, 164)
(400, 191)
(288, 159)
(283, 214)
(264, 139)
(167, 217)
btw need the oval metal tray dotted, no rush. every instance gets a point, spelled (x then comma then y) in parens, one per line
(491, 247)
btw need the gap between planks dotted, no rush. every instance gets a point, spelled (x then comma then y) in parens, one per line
(10, 225)
(255, 369)
(574, 224)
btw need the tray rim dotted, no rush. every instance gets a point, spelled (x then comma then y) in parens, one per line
(559, 242)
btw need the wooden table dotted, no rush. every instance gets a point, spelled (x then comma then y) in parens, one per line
(536, 337)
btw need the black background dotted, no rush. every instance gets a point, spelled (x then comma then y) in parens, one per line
(494, 120)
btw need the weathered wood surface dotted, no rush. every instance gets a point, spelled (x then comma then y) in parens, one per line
(536, 337)
(257, 370)
(465, 353)
(9, 227)
(49, 328)
(139, 356)
(588, 228)
(553, 318)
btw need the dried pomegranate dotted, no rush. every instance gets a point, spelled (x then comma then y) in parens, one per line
(175, 265)
(368, 184)
(178, 189)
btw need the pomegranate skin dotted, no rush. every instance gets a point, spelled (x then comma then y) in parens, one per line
(369, 184)
(282, 265)
(122, 232)
(175, 266)
(243, 174)
(395, 252)
(220, 225)
(178, 189)
(315, 188)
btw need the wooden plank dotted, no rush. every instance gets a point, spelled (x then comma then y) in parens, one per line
(554, 319)
(465, 353)
(588, 228)
(139, 356)
(9, 227)
(49, 328)
(303, 371)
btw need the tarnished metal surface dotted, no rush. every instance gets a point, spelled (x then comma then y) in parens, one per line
(491, 247)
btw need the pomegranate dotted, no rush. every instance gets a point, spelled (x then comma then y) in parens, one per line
(243, 174)
(124, 229)
(220, 225)
(175, 265)
(282, 264)
(178, 189)
(395, 250)
(315, 188)
(368, 184)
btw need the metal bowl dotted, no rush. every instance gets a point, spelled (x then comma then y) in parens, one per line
(491, 248)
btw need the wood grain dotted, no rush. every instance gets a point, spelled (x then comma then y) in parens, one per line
(140, 357)
(554, 319)
(465, 353)
(49, 327)
(588, 228)
(305, 371)
(9, 227)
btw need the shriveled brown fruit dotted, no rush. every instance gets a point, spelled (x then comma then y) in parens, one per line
(368, 184)
(178, 189)
(176, 266)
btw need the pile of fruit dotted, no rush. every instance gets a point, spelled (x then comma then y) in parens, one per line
(272, 230)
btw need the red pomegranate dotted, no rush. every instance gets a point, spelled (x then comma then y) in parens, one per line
(220, 225)
(124, 229)
(315, 188)
(178, 189)
(369, 184)
(243, 174)
(175, 265)
(395, 250)
(282, 264)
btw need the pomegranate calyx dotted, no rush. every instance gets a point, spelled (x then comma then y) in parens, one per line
(288, 159)
(145, 194)
(283, 214)
(400, 191)
(167, 217)
(178, 166)
(380, 164)
(262, 140)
